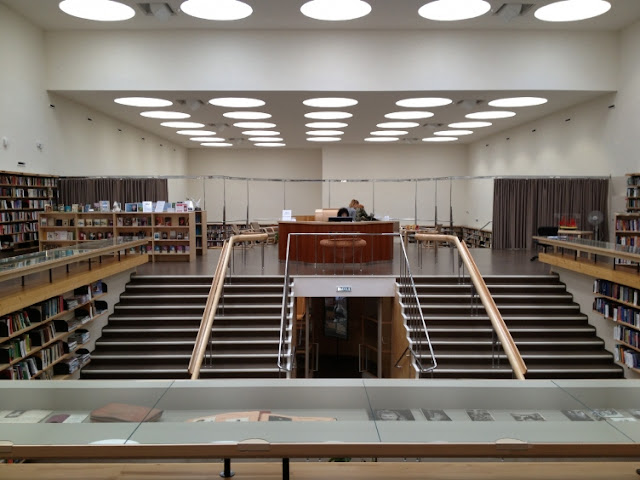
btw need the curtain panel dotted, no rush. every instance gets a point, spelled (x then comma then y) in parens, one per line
(82, 190)
(522, 205)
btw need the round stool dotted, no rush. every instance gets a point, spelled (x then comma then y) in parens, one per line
(343, 250)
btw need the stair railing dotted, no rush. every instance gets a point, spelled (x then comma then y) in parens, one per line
(215, 292)
(286, 314)
(500, 328)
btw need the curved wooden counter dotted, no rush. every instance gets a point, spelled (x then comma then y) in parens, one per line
(307, 248)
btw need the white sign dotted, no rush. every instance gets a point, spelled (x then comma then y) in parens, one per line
(147, 206)
(160, 206)
(286, 215)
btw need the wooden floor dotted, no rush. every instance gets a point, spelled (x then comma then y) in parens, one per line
(323, 471)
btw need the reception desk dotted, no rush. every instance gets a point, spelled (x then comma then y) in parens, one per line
(307, 248)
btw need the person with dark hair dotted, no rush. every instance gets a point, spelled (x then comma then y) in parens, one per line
(343, 212)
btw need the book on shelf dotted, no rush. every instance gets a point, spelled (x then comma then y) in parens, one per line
(167, 221)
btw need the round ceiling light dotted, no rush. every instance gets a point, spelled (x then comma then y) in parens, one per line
(182, 124)
(408, 115)
(265, 139)
(144, 102)
(236, 102)
(247, 115)
(99, 10)
(426, 102)
(517, 102)
(335, 10)
(440, 139)
(200, 133)
(328, 115)
(207, 139)
(330, 102)
(572, 10)
(254, 125)
(325, 133)
(270, 144)
(222, 10)
(224, 144)
(323, 139)
(470, 124)
(490, 115)
(453, 10)
(453, 133)
(165, 115)
(326, 125)
(381, 139)
(260, 133)
(398, 125)
(389, 133)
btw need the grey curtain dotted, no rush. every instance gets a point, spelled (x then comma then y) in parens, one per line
(83, 190)
(521, 205)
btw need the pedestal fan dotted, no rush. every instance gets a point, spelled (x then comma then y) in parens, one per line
(595, 218)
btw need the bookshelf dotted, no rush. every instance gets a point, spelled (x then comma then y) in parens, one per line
(48, 340)
(201, 232)
(172, 236)
(621, 304)
(217, 233)
(22, 196)
(627, 232)
(633, 192)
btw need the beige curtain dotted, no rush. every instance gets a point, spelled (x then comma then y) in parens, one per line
(521, 205)
(124, 190)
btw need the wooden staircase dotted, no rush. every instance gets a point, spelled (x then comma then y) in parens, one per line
(153, 328)
(553, 336)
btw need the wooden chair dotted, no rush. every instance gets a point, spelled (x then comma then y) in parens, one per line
(269, 230)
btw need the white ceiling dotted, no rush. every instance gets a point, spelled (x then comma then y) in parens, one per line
(286, 107)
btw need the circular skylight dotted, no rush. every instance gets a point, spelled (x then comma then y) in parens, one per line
(470, 124)
(572, 10)
(517, 102)
(453, 133)
(323, 139)
(335, 10)
(99, 10)
(207, 139)
(398, 125)
(326, 125)
(260, 133)
(236, 102)
(490, 115)
(143, 102)
(325, 133)
(265, 139)
(381, 139)
(254, 125)
(425, 102)
(408, 115)
(225, 144)
(270, 144)
(223, 10)
(389, 133)
(440, 139)
(330, 102)
(182, 124)
(328, 115)
(247, 115)
(453, 10)
(165, 115)
(200, 133)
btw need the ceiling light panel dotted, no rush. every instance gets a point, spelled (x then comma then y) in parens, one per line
(323, 139)
(144, 102)
(515, 102)
(440, 139)
(453, 10)
(398, 125)
(389, 133)
(470, 124)
(254, 125)
(98, 10)
(220, 10)
(325, 133)
(270, 144)
(201, 133)
(330, 102)
(408, 115)
(381, 139)
(182, 124)
(424, 102)
(328, 115)
(572, 10)
(453, 133)
(165, 115)
(260, 133)
(207, 139)
(335, 10)
(225, 144)
(236, 102)
(326, 125)
(490, 115)
(247, 115)
(265, 139)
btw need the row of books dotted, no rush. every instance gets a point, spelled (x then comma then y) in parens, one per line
(9, 228)
(627, 240)
(47, 356)
(24, 370)
(61, 235)
(616, 312)
(629, 357)
(633, 203)
(179, 249)
(18, 216)
(25, 237)
(170, 235)
(25, 192)
(43, 335)
(631, 224)
(617, 291)
(626, 335)
(633, 192)
(28, 181)
(15, 349)
(51, 307)
(94, 235)
(14, 322)
(20, 204)
(134, 221)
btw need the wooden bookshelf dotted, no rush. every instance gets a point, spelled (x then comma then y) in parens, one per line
(633, 192)
(627, 232)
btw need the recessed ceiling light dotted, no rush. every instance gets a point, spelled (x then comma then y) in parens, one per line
(247, 115)
(381, 139)
(408, 115)
(143, 102)
(323, 139)
(207, 139)
(326, 125)
(398, 125)
(325, 133)
(425, 102)
(490, 115)
(517, 102)
(440, 139)
(389, 133)
(470, 124)
(254, 125)
(260, 133)
(217, 144)
(200, 133)
(270, 144)
(453, 10)
(330, 102)
(265, 139)
(453, 133)
(223, 10)
(99, 10)
(165, 115)
(236, 102)
(572, 10)
(328, 115)
(182, 124)
(335, 10)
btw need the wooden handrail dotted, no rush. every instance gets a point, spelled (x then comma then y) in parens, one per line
(204, 332)
(509, 346)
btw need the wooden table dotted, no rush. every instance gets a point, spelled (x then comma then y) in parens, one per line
(576, 233)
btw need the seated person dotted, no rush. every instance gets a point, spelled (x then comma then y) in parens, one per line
(358, 213)
(343, 212)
